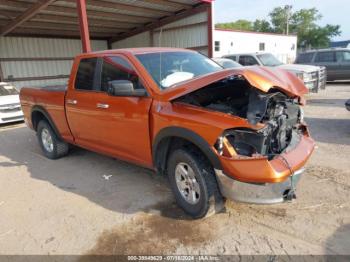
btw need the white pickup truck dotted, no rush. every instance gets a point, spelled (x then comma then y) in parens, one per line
(10, 107)
(314, 77)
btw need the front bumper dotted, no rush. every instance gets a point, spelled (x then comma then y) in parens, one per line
(259, 180)
(268, 193)
(11, 117)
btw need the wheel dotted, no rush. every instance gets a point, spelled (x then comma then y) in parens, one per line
(192, 180)
(50, 144)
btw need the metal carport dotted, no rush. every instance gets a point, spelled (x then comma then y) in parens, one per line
(33, 32)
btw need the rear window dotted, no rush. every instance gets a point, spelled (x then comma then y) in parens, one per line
(7, 90)
(325, 57)
(305, 58)
(85, 75)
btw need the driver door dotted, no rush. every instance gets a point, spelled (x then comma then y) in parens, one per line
(114, 125)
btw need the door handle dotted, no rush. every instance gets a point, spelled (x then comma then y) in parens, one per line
(72, 101)
(100, 105)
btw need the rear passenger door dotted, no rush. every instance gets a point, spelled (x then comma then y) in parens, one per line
(114, 125)
(247, 60)
(343, 59)
(327, 59)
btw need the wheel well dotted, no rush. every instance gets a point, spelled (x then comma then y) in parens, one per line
(37, 116)
(168, 145)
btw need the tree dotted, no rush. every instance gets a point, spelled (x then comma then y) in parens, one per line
(283, 20)
(240, 24)
(280, 18)
(262, 26)
(304, 24)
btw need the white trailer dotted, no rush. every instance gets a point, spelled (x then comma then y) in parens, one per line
(226, 42)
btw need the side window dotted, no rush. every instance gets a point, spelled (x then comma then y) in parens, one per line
(85, 75)
(217, 46)
(261, 46)
(117, 68)
(343, 56)
(305, 58)
(247, 60)
(325, 57)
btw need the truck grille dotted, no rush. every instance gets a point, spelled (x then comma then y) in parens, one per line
(322, 77)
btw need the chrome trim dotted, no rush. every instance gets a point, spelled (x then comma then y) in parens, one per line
(266, 193)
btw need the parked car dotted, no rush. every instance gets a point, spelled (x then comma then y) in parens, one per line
(314, 77)
(10, 107)
(226, 63)
(347, 104)
(233, 133)
(337, 62)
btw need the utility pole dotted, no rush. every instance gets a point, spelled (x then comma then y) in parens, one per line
(288, 9)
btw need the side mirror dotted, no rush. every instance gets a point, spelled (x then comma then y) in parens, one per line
(124, 88)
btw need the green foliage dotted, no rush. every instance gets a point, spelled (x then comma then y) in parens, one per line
(302, 22)
(240, 24)
(262, 26)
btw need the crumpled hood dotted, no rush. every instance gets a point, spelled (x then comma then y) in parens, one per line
(262, 78)
(299, 68)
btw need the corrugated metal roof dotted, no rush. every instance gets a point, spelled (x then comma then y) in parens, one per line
(138, 12)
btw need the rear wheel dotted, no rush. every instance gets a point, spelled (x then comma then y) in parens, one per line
(51, 145)
(192, 180)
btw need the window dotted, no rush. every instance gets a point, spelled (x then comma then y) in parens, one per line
(217, 46)
(117, 68)
(247, 60)
(343, 56)
(261, 46)
(305, 57)
(325, 57)
(170, 68)
(7, 90)
(232, 57)
(86, 72)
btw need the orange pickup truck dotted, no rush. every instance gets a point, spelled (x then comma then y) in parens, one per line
(216, 133)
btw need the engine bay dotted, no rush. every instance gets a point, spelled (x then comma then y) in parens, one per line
(280, 113)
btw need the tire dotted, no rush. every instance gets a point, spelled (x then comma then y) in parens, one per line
(203, 203)
(53, 149)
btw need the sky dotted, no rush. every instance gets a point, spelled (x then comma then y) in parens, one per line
(333, 11)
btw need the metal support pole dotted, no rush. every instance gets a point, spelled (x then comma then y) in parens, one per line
(83, 26)
(210, 29)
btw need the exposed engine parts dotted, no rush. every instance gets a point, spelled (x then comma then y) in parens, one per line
(280, 114)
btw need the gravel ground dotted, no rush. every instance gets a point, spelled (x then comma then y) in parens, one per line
(92, 204)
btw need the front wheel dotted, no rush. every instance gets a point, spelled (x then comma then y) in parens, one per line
(50, 144)
(192, 180)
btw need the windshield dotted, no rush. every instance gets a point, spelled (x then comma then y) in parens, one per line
(170, 68)
(269, 60)
(7, 90)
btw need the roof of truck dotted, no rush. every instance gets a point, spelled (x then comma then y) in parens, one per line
(141, 50)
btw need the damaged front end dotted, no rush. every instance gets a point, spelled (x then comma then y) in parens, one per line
(262, 161)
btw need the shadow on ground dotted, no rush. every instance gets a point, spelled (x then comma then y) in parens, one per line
(339, 241)
(327, 102)
(112, 184)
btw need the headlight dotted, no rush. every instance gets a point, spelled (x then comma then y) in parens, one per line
(300, 75)
(307, 77)
(301, 114)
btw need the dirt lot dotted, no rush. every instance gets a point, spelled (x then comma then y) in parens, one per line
(91, 204)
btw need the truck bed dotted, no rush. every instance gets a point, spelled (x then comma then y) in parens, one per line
(51, 101)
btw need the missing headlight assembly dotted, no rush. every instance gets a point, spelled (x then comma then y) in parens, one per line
(280, 114)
